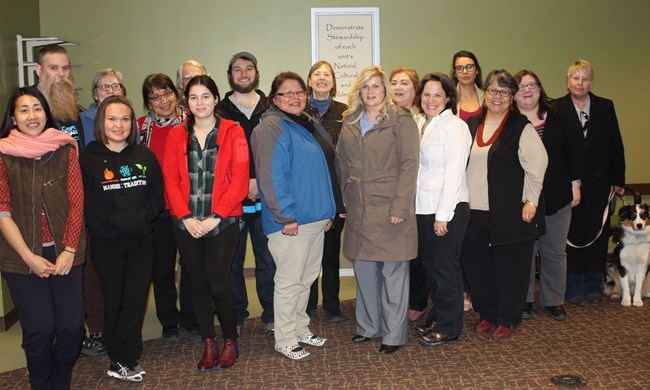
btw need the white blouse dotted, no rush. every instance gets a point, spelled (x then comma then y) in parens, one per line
(444, 150)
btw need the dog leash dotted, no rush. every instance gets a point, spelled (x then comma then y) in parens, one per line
(637, 200)
(602, 226)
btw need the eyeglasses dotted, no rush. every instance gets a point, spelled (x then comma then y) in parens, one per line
(107, 87)
(166, 94)
(530, 87)
(502, 92)
(468, 67)
(585, 125)
(290, 94)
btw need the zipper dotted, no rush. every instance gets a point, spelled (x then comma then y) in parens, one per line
(49, 223)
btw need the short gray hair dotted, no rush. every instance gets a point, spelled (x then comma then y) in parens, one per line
(179, 71)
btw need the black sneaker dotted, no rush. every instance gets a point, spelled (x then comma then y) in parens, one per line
(192, 330)
(334, 316)
(94, 345)
(122, 371)
(270, 330)
(528, 311)
(557, 312)
(170, 332)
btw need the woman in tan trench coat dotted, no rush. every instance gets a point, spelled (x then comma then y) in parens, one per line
(378, 151)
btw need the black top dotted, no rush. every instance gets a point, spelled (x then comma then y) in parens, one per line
(604, 152)
(506, 185)
(565, 148)
(123, 191)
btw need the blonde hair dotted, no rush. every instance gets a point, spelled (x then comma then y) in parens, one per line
(580, 66)
(355, 104)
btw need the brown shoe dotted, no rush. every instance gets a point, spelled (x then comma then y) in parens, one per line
(433, 339)
(482, 326)
(209, 354)
(229, 354)
(424, 329)
(503, 332)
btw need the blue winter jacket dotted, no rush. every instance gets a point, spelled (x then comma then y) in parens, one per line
(292, 175)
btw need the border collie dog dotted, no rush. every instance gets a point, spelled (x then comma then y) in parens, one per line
(632, 254)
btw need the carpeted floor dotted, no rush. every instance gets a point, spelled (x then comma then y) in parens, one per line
(606, 344)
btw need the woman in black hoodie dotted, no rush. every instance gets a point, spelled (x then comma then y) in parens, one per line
(123, 195)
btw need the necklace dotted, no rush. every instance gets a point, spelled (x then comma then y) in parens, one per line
(479, 135)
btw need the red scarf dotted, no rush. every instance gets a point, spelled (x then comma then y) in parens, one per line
(479, 135)
(21, 145)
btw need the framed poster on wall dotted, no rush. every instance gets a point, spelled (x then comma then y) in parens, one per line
(347, 38)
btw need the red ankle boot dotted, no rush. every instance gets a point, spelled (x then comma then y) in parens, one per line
(229, 354)
(209, 354)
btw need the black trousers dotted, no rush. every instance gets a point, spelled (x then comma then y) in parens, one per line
(441, 262)
(51, 312)
(164, 278)
(331, 283)
(586, 266)
(497, 276)
(124, 269)
(93, 299)
(208, 261)
(419, 289)
(264, 270)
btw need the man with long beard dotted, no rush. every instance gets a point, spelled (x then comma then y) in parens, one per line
(55, 82)
(245, 105)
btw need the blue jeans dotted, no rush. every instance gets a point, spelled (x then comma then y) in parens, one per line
(264, 270)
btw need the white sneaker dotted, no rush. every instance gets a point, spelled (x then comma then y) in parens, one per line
(124, 372)
(295, 352)
(312, 339)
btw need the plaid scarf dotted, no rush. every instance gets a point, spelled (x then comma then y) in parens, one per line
(153, 119)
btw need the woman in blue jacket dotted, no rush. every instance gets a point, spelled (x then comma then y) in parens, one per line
(294, 161)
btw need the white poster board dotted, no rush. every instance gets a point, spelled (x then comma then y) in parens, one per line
(347, 38)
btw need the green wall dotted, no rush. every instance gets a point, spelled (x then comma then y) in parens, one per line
(142, 37)
(145, 36)
(16, 17)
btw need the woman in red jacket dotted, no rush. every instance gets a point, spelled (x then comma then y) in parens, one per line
(206, 180)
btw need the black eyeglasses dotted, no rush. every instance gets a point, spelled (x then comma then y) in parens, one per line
(461, 68)
(530, 87)
(585, 125)
(166, 94)
(290, 94)
(108, 87)
(502, 92)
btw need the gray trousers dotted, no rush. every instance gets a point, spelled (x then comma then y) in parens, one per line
(552, 251)
(382, 300)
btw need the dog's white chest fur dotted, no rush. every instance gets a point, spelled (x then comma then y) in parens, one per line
(634, 258)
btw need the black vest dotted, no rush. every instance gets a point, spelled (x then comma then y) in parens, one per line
(506, 185)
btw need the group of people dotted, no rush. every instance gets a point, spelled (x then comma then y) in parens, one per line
(447, 185)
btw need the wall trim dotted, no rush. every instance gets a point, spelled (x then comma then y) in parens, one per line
(8, 320)
(643, 188)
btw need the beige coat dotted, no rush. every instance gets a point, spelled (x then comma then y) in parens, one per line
(378, 179)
